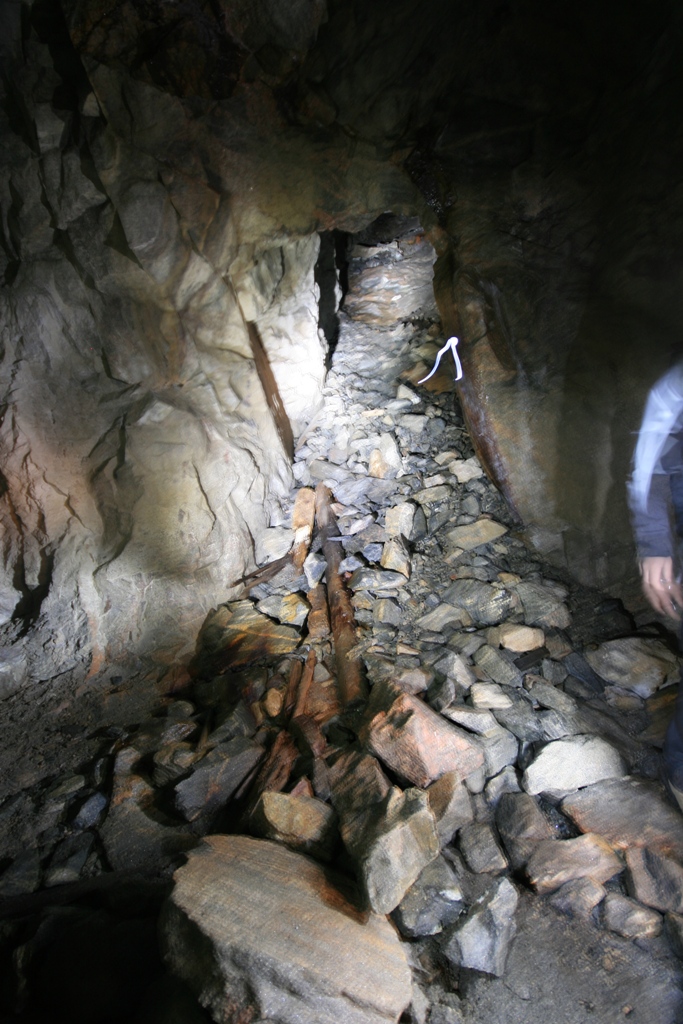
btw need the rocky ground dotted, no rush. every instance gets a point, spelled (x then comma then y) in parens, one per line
(479, 833)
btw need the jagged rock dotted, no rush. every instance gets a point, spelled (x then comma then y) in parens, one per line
(133, 838)
(541, 607)
(390, 282)
(291, 609)
(556, 861)
(628, 918)
(385, 460)
(478, 720)
(522, 826)
(300, 822)
(260, 932)
(634, 663)
(415, 741)
(578, 897)
(359, 790)
(91, 811)
(549, 696)
(480, 848)
(432, 495)
(497, 666)
(489, 695)
(376, 580)
(69, 858)
(215, 778)
(654, 880)
(314, 568)
(173, 761)
(482, 940)
(22, 876)
(405, 520)
(451, 805)
(396, 845)
(412, 680)
(238, 634)
(673, 924)
(454, 666)
(433, 901)
(566, 765)
(472, 536)
(504, 782)
(485, 603)
(628, 812)
(385, 609)
(440, 617)
(515, 637)
(500, 748)
(395, 557)
(465, 470)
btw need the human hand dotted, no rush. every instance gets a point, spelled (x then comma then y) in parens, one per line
(660, 587)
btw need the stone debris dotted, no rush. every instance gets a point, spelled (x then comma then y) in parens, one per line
(500, 761)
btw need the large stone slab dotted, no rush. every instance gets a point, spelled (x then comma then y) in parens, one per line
(482, 940)
(541, 607)
(628, 812)
(260, 932)
(655, 881)
(415, 741)
(566, 765)
(238, 634)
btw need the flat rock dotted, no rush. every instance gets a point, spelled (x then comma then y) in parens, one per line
(399, 520)
(396, 557)
(522, 826)
(628, 918)
(303, 823)
(415, 741)
(238, 634)
(634, 663)
(489, 695)
(516, 638)
(291, 609)
(455, 666)
(482, 939)
(541, 607)
(472, 536)
(440, 617)
(376, 580)
(556, 861)
(477, 720)
(385, 460)
(260, 932)
(628, 812)
(500, 748)
(215, 778)
(569, 764)
(486, 603)
(653, 880)
(498, 666)
(465, 470)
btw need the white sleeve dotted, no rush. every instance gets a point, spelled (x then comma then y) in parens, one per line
(664, 407)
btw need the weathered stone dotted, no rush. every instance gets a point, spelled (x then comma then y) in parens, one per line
(522, 826)
(478, 720)
(628, 918)
(504, 782)
(578, 897)
(628, 812)
(415, 741)
(413, 680)
(433, 901)
(132, 838)
(515, 637)
(91, 811)
(376, 580)
(314, 568)
(556, 861)
(483, 531)
(489, 696)
(238, 634)
(300, 822)
(634, 663)
(481, 941)
(215, 778)
(396, 847)
(451, 805)
(291, 609)
(497, 666)
(487, 604)
(395, 557)
(440, 617)
(385, 460)
(541, 607)
(68, 860)
(432, 495)
(385, 609)
(22, 876)
(359, 788)
(465, 470)
(412, 422)
(554, 671)
(565, 765)
(500, 748)
(654, 880)
(523, 722)
(454, 666)
(399, 520)
(673, 924)
(234, 930)
(549, 696)
(480, 848)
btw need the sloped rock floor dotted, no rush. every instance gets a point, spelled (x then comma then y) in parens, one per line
(558, 890)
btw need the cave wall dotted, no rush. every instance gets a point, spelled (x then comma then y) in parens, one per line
(166, 170)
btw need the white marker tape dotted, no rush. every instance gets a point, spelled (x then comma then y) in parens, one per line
(450, 344)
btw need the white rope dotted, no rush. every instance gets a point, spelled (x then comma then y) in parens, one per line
(450, 344)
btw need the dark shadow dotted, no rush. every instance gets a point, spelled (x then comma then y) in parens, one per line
(332, 278)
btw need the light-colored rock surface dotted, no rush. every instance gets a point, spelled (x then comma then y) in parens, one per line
(516, 638)
(628, 918)
(300, 822)
(569, 764)
(655, 881)
(278, 939)
(473, 536)
(634, 663)
(482, 940)
(554, 862)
